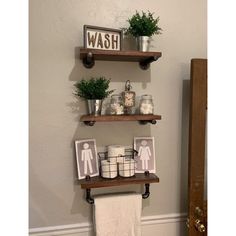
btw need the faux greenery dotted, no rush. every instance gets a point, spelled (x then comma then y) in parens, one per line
(94, 88)
(143, 25)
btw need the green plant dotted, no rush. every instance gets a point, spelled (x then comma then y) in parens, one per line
(143, 25)
(94, 88)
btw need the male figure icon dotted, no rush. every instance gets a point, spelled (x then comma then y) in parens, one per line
(86, 157)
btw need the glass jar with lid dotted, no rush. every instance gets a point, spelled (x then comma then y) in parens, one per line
(128, 98)
(146, 105)
(116, 106)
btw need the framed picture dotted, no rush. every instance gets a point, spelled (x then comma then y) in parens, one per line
(86, 157)
(102, 38)
(145, 159)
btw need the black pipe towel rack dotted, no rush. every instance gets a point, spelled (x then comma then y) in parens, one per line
(145, 195)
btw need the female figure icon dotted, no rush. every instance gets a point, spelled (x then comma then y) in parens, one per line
(144, 153)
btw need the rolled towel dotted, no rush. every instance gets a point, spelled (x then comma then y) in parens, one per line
(108, 169)
(127, 168)
(116, 153)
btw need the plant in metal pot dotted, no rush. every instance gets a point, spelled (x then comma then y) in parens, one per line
(142, 26)
(94, 90)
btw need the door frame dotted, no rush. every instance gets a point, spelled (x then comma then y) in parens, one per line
(197, 142)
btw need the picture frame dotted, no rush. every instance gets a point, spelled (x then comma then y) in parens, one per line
(96, 37)
(86, 158)
(145, 159)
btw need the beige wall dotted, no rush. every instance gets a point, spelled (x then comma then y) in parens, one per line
(55, 35)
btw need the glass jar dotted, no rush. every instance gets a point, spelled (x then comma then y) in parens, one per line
(146, 105)
(116, 106)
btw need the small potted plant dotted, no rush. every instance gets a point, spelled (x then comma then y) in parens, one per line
(142, 27)
(94, 91)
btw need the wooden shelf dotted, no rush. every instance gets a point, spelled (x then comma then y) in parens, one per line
(143, 119)
(99, 182)
(89, 56)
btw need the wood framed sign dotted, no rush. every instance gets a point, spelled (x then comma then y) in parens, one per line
(86, 157)
(102, 38)
(145, 160)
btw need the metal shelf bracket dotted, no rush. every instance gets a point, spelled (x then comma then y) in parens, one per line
(145, 64)
(144, 122)
(89, 123)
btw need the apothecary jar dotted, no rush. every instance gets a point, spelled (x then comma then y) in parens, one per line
(146, 105)
(117, 105)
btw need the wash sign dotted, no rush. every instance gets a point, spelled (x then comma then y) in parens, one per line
(102, 38)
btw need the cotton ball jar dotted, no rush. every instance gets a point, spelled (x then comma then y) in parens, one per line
(146, 105)
(116, 106)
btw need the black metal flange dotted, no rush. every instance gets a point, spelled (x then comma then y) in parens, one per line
(89, 61)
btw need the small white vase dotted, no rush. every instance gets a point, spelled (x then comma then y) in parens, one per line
(143, 43)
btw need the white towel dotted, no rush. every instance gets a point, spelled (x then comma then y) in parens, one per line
(118, 215)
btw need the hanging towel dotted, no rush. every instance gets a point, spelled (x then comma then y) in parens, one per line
(118, 215)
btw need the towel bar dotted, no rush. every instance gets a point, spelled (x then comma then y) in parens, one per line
(90, 200)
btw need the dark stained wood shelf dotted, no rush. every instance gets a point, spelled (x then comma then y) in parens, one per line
(89, 56)
(143, 119)
(99, 182)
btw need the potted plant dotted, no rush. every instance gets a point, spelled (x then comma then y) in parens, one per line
(142, 27)
(94, 91)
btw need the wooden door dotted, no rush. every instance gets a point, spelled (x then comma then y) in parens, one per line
(197, 210)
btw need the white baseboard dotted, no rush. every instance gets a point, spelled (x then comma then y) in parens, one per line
(157, 223)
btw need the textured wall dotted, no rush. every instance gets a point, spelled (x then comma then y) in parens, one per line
(55, 35)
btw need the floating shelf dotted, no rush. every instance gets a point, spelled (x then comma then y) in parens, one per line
(99, 182)
(89, 56)
(143, 119)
